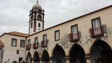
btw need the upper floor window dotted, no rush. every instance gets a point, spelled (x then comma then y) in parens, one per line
(22, 43)
(40, 17)
(74, 35)
(29, 42)
(36, 40)
(74, 29)
(45, 37)
(57, 35)
(96, 26)
(14, 42)
(31, 25)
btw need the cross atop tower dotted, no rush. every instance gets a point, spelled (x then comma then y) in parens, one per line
(37, 1)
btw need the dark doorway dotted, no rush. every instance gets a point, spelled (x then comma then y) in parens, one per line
(58, 55)
(77, 54)
(29, 58)
(45, 57)
(100, 52)
(36, 57)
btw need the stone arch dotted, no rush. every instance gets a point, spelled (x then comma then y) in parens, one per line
(100, 52)
(77, 54)
(36, 57)
(58, 55)
(29, 58)
(45, 57)
(39, 17)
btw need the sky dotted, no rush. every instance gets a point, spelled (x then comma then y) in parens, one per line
(14, 14)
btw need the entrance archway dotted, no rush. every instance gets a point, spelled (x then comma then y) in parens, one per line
(45, 57)
(100, 52)
(36, 57)
(29, 58)
(58, 55)
(77, 54)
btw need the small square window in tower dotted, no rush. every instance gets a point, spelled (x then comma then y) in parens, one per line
(39, 17)
(39, 25)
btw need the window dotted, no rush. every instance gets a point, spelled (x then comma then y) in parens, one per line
(39, 25)
(22, 43)
(74, 29)
(74, 35)
(96, 26)
(57, 35)
(17, 52)
(14, 42)
(36, 40)
(44, 41)
(31, 17)
(39, 17)
(45, 37)
(31, 25)
(29, 42)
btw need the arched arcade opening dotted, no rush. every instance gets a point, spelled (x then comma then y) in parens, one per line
(36, 57)
(29, 58)
(77, 54)
(45, 57)
(100, 52)
(58, 55)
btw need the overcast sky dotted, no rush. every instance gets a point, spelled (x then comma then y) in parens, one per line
(14, 14)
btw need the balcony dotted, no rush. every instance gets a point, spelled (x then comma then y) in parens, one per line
(28, 47)
(74, 37)
(97, 32)
(35, 45)
(44, 43)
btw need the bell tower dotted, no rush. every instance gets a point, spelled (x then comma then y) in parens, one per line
(36, 19)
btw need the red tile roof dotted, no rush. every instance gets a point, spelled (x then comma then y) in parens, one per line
(17, 34)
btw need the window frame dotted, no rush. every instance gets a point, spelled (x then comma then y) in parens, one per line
(55, 35)
(29, 42)
(22, 43)
(17, 51)
(45, 39)
(39, 25)
(76, 25)
(39, 17)
(31, 25)
(13, 42)
(95, 33)
(36, 40)
(74, 35)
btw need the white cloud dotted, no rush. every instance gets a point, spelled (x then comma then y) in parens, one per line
(14, 14)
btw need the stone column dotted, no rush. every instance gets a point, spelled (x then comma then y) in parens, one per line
(88, 58)
(67, 59)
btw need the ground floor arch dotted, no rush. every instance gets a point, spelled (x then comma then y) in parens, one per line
(100, 52)
(58, 55)
(29, 58)
(36, 58)
(45, 57)
(77, 54)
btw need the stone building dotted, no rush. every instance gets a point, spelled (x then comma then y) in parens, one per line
(84, 39)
